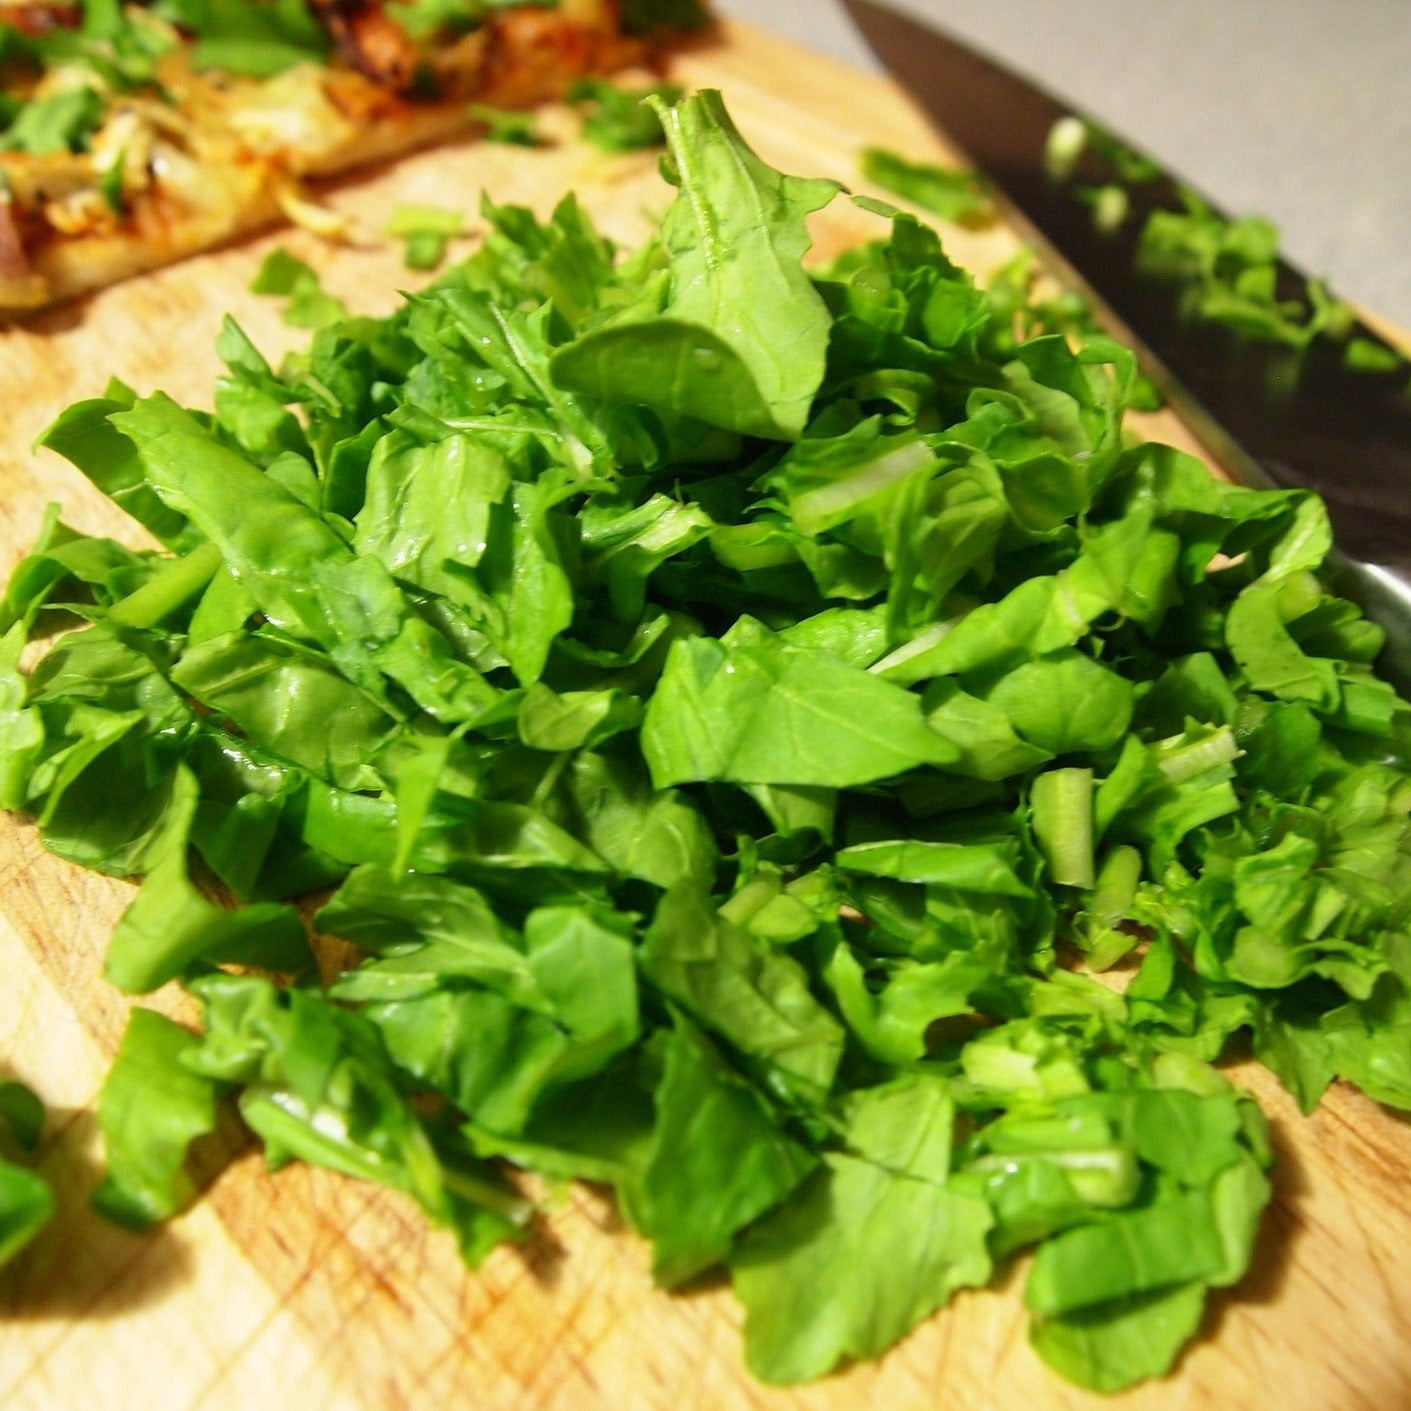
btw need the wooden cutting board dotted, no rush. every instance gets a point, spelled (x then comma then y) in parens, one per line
(305, 1290)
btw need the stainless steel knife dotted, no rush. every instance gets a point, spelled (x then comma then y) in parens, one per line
(1310, 421)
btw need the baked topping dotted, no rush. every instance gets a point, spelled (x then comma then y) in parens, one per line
(107, 106)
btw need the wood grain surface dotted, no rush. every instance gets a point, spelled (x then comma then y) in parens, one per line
(306, 1290)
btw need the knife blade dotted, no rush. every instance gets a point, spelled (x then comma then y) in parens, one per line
(1271, 418)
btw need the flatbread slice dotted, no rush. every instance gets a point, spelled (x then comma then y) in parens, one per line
(132, 136)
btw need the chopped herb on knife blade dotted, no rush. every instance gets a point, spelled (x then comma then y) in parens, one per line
(948, 192)
(1227, 268)
(721, 698)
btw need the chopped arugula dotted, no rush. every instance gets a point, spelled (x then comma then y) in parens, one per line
(426, 230)
(286, 275)
(110, 184)
(62, 122)
(620, 119)
(518, 129)
(151, 1109)
(120, 45)
(424, 18)
(1229, 271)
(1367, 356)
(1227, 268)
(256, 40)
(719, 698)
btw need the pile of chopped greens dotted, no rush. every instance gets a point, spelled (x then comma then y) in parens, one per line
(958, 195)
(734, 710)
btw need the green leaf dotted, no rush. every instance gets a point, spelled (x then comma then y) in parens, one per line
(26, 1206)
(906, 1125)
(1171, 1242)
(731, 707)
(851, 1264)
(893, 1023)
(734, 985)
(316, 1087)
(426, 230)
(83, 435)
(282, 273)
(714, 348)
(620, 120)
(257, 42)
(151, 1109)
(1116, 1345)
(766, 713)
(506, 125)
(21, 1116)
(60, 122)
(655, 835)
(26, 1200)
(575, 719)
(718, 1160)
(171, 925)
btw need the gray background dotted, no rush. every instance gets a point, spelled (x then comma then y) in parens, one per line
(1299, 110)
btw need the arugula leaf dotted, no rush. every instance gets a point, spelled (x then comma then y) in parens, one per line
(151, 1109)
(1129, 1340)
(763, 712)
(26, 1206)
(21, 1116)
(851, 1264)
(1170, 1243)
(738, 987)
(423, 18)
(717, 1162)
(1227, 269)
(171, 925)
(61, 122)
(315, 1086)
(497, 1052)
(506, 125)
(309, 305)
(709, 344)
(426, 230)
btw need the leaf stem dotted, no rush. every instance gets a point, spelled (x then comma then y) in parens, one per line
(177, 582)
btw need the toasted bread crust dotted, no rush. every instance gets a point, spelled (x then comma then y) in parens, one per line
(218, 160)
